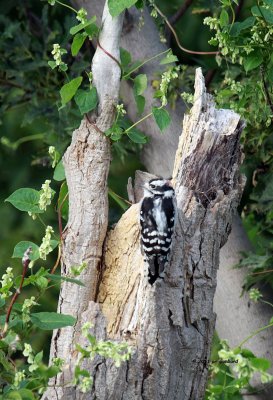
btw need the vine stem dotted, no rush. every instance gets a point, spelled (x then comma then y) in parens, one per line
(203, 53)
(67, 6)
(254, 334)
(25, 262)
(144, 62)
(138, 122)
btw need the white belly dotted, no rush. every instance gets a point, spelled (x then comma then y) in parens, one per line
(159, 216)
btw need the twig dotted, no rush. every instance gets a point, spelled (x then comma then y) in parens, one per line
(57, 261)
(25, 261)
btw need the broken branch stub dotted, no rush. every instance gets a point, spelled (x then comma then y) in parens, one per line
(170, 325)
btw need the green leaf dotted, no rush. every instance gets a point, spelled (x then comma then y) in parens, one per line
(263, 12)
(162, 117)
(140, 102)
(54, 244)
(253, 61)
(25, 199)
(69, 90)
(137, 136)
(224, 18)
(78, 28)
(21, 247)
(51, 320)
(59, 174)
(170, 58)
(2, 302)
(125, 57)
(117, 6)
(52, 64)
(26, 394)
(140, 84)
(14, 395)
(237, 27)
(63, 200)
(261, 364)
(86, 100)
(59, 278)
(91, 30)
(217, 389)
(77, 43)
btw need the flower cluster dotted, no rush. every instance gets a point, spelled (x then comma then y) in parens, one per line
(51, 2)
(120, 109)
(245, 365)
(45, 247)
(85, 384)
(82, 15)
(46, 195)
(6, 283)
(57, 53)
(54, 155)
(28, 352)
(18, 378)
(28, 303)
(166, 78)
(255, 295)
(187, 97)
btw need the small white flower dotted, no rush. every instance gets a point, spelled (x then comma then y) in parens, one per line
(82, 15)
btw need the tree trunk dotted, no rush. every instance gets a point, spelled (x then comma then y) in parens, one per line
(158, 157)
(169, 325)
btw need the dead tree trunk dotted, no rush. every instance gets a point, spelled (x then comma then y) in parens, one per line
(158, 157)
(169, 325)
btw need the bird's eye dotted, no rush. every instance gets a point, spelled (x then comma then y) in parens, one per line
(152, 185)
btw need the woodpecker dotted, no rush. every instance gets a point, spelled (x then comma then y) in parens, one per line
(157, 221)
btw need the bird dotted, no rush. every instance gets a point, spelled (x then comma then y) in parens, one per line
(157, 222)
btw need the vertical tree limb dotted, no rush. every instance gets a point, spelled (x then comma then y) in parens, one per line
(86, 163)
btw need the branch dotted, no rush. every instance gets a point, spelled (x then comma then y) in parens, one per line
(86, 162)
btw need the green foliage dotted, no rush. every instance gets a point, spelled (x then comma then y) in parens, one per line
(51, 320)
(86, 100)
(162, 117)
(25, 199)
(69, 90)
(117, 6)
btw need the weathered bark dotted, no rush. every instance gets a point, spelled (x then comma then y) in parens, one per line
(86, 163)
(158, 158)
(170, 325)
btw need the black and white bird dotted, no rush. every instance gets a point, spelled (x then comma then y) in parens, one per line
(157, 221)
